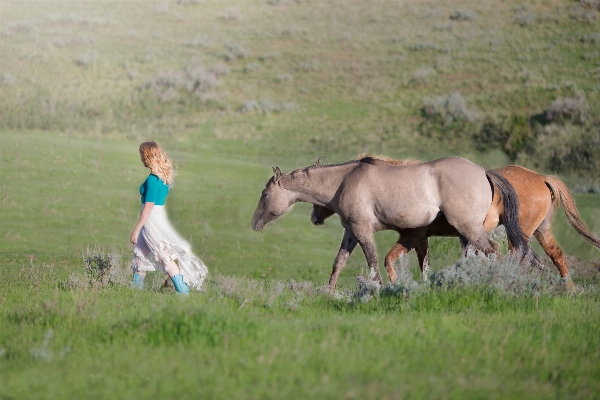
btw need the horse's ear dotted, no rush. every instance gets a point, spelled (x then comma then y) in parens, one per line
(276, 173)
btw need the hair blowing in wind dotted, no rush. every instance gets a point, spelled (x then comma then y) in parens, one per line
(156, 159)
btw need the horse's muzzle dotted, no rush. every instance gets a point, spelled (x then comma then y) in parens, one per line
(258, 225)
(315, 220)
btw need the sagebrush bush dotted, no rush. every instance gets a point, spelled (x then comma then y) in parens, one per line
(194, 78)
(421, 45)
(234, 51)
(594, 4)
(102, 270)
(572, 108)
(8, 80)
(504, 274)
(284, 77)
(525, 18)
(511, 134)
(566, 148)
(422, 75)
(83, 60)
(267, 106)
(269, 56)
(253, 66)
(463, 15)
(591, 187)
(448, 109)
(591, 37)
(264, 292)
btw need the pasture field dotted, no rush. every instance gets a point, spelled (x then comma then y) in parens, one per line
(232, 88)
(243, 338)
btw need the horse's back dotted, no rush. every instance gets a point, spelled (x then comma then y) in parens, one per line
(415, 194)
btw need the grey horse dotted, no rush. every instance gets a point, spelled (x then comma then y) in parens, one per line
(371, 195)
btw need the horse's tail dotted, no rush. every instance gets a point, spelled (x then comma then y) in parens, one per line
(558, 188)
(510, 219)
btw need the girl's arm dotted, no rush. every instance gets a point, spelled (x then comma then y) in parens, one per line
(148, 206)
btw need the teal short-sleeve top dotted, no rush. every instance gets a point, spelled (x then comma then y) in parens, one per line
(154, 190)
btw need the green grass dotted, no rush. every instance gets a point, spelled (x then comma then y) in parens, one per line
(225, 343)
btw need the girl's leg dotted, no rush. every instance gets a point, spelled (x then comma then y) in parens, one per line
(172, 269)
(175, 274)
(138, 279)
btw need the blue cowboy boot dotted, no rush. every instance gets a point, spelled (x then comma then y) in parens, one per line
(138, 281)
(180, 285)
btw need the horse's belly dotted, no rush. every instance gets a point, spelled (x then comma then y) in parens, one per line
(411, 217)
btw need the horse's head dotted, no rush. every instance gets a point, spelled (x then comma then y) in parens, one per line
(319, 214)
(274, 202)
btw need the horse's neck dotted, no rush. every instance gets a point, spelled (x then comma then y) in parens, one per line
(317, 185)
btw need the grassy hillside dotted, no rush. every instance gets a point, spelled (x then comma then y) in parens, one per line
(292, 77)
(230, 89)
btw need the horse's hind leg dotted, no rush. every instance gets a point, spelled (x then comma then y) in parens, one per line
(478, 239)
(556, 254)
(394, 254)
(348, 244)
(543, 234)
(409, 239)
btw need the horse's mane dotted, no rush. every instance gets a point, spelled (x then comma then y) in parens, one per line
(360, 158)
(406, 161)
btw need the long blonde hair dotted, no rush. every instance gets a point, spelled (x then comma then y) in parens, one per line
(156, 159)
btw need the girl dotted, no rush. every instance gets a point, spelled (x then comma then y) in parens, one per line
(157, 244)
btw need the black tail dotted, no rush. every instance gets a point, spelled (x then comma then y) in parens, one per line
(510, 202)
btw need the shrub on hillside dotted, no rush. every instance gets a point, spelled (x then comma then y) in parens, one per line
(422, 75)
(593, 4)
(582, 13)
(591, 187)
(448, 109)
(525, 18)
(235, 51)
(83, 60)
(572, 108)
(511, 134)
(194, 78)
(449, 119)
(253, 66)
(269, 56)
(566, 148)
(463, 15)
(591, 37)
(8, 80)
(267, 106)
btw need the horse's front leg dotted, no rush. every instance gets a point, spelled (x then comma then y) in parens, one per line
(368, 247)
(349, 242)
(422, 250)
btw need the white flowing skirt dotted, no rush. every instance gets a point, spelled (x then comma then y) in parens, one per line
(159, 243)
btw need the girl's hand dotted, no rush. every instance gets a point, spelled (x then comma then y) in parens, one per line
(134, 236)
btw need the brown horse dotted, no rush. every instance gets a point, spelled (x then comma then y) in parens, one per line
(371, 195)
(539, 196)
